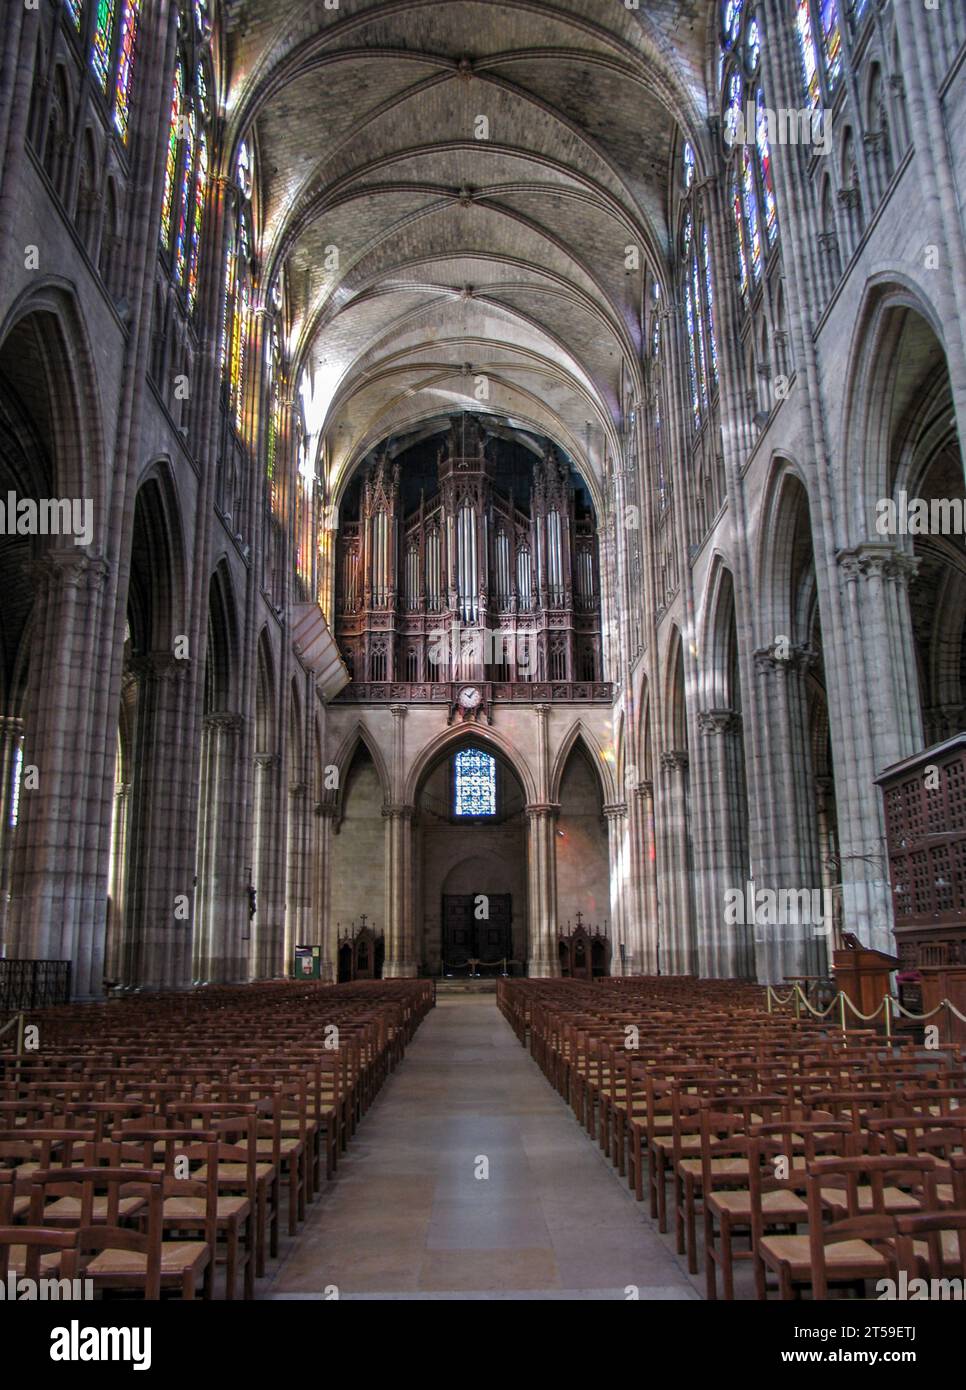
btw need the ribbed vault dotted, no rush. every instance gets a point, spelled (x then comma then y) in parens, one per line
(481, 170)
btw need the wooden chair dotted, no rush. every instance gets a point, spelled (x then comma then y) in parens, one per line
(123, 1258)
(192, 1202)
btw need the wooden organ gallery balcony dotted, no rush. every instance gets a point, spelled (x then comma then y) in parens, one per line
(471, 560)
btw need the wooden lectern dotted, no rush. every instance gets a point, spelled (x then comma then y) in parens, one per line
(863, 974)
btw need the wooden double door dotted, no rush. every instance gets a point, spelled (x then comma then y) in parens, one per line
(469, 935)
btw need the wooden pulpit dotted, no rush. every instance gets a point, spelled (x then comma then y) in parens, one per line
(863, 974)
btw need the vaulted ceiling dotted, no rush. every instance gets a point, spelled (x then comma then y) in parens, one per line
(479, 266)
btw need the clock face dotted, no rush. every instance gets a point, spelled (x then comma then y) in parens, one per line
(470, 697)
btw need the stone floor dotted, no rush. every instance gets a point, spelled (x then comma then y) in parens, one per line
(408, 1217)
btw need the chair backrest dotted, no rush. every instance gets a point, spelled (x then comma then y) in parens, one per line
(114, 1183)
(860, 1183)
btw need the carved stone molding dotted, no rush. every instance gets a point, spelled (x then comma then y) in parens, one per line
(393, 808)
(615, 810)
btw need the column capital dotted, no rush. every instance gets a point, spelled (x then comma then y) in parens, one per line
(224, 721)
(800, 657)
(644, 790)
(536, 809)
(298, 790)
(877, 560)
(399, 711)
(614, 810)
(719, 721)
(396, 808)
(157, 666)
(674, 759)
(69, 569)
(267, 762)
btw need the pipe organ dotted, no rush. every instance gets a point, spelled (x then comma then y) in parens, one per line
(489, 572)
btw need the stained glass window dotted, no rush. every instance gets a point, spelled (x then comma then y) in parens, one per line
(125, 66)
(229, 292)
(474, 792)
(750, 201)
(739, 234)
(831, 42)
(733, 114)
(806, 44)
(275, 413)
(709, 300)
(753, 46)
(201, 189)
(764, 167)
(692, 356)
(731, 19)
(688, 164)
(171, 165)
(239, 334)
(103, 42)
(75, 8)
(699, 328)
(184, 201)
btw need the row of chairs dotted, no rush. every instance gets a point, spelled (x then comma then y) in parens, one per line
(823, 1158)
(150, 1138)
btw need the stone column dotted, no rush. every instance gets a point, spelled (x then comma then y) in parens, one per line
(295, 895)
(789, 858)
(542, 881)
(159, 910)
(11, 733)
(401, 961)
(676, 955)
(620, 894)
(884, 725)
(720, 847)
(322, 860)
(57, 891)
(222, 897)
(648, 929)
(267, 955)
(117, 893)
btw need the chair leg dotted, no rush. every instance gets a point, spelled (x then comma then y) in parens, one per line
(710, 1254)
(727, 1260)
(231, 1259)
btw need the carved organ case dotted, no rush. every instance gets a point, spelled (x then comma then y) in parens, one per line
(480, 564)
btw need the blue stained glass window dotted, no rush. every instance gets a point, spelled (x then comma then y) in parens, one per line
(475, 783)
(731, 20)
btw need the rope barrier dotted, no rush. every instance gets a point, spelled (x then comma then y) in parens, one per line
(889, 1002)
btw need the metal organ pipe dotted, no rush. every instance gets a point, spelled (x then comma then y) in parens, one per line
(433, 576)
(468, 561)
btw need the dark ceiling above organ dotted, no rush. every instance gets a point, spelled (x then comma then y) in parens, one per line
(469, 555)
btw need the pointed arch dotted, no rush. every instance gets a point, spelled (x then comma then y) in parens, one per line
(449, 739)
(222, 674)
(605, 770)
(358, 736)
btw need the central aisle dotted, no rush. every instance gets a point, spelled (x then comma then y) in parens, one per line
(406, 1214)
